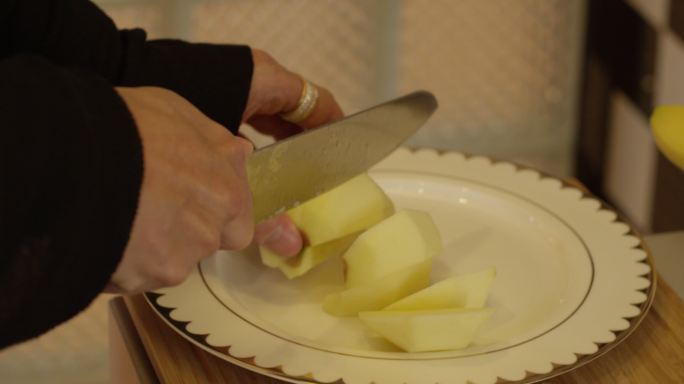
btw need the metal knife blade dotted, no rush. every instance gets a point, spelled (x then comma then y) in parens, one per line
(302, 166)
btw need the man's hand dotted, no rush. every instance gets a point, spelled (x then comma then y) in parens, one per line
(276, 90)
(194, 197)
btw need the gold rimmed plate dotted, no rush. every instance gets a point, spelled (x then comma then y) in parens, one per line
(573, 281)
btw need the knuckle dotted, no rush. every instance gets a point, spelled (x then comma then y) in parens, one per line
(159, 92)
(207, 243)
(171, 275)
(236, 149)
(241, 244)
(262, 57)
(234, 201)
(239, 236)
(246, 146)
(246, 239)
(202, 235)
(166, 92)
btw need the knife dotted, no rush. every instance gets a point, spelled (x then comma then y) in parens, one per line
(291, 171)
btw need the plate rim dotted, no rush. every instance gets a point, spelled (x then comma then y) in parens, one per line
(530, 377)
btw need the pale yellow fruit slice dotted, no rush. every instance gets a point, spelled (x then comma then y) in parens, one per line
(667, 123)
(463, 291)
(379, 293)
(406, 238)
(431, 330)
(307, 259)
(349, 208)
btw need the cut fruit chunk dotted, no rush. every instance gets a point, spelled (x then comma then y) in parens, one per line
(349, 208)
(378, 294)
(464, 291)
(423, 331)
(309, 257)
(407, 238)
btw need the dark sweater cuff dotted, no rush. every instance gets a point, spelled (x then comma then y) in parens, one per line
(214, 78)
(107, 181)
(76, 169)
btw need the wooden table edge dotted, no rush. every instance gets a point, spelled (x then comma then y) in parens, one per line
(173, 359)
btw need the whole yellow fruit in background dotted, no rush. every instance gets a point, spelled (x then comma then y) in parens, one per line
(667, 124)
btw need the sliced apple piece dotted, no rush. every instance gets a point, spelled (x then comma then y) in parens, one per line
(308, 258)
(463, 291)
(406, 238)
(349, 208)
(431, 330)
(379, 293)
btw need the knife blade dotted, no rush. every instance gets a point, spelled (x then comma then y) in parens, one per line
(291, 171)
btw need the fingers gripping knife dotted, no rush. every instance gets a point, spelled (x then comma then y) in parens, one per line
(302, 166)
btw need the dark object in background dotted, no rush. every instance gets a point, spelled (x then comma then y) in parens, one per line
(621, 50)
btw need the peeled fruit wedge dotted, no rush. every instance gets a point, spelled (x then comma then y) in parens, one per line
(404, 239)
(427, 330)
(308, 258)
(330, 222)
(443, 316)
(379, 293)
(349, 208)
(464, 291)
(667, 123)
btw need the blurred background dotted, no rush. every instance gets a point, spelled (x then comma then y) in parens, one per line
(506, 73)
(565, 86)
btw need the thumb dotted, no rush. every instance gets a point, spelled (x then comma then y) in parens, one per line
(280, 235)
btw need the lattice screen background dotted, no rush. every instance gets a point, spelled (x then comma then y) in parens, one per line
(505, 72)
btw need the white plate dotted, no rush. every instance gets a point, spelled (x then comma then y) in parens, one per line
(572, 282)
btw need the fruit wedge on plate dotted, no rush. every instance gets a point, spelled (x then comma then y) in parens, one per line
(330, 222)
(387, 262)
(351, 207)
(464, 291)
(427, 330)
(388, 259)
(444, 316)
(308, 258)
(380, 293)
(407, 238)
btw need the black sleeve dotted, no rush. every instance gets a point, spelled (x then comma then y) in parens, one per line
(70, 156)
(70, 172)
(215, 78)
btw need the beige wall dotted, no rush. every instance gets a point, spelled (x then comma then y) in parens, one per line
(505, 72)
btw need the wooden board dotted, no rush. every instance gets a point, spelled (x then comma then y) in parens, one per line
(654, 353)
